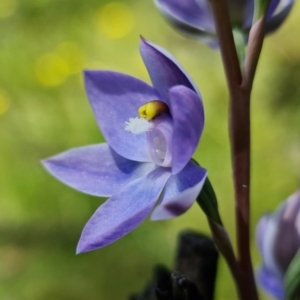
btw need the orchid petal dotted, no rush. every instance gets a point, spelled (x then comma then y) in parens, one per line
(96, 169)
(276, 20)
(268, 244)
(193, 12)
(248, 14)
(194, 17)
(123, 211)
(190, 31)
(271, 283)
(261, 231)
(272, 7)
(165, 72)
(115, 98)
(180, 192)
(287, 241)
(188, 122)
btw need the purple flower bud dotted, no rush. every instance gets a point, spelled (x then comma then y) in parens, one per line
(278, 238)
(194, 17)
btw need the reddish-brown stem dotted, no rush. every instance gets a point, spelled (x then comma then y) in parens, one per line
(226, 42)
(222, 241)
(240, 147)
(239, 128)
(256, 39)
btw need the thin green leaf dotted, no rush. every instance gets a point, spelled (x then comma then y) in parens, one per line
(208, 202)
(292, 279)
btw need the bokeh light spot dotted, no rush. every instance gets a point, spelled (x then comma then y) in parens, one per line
(72, 55)
(4, 102)
(115, 20)
(7, 8)
(51, 69)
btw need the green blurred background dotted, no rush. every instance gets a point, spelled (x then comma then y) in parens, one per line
(44, 46)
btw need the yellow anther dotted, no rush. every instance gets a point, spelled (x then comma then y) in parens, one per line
(152, 109)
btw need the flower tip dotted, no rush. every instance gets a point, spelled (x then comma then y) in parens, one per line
(87, 244)
(143, 43)
(88, 73)
(82, 248)
(45, 163)
(78, 251)
(143, 39)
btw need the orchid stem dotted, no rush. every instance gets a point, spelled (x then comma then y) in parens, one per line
(222, 242)
(239, 127)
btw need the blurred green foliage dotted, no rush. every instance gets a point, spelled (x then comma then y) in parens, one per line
(44, 45)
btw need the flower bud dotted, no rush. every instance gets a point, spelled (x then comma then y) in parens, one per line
(194, 18)
(278, 238)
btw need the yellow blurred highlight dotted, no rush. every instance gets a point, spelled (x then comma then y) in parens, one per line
(4, 102)
(51, 69)
(73, 56)
(7, 8)
(115, 20)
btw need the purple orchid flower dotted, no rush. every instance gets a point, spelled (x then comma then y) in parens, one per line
(194, 17)
(146, 160)
(278, 238)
